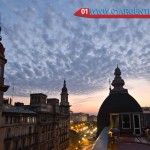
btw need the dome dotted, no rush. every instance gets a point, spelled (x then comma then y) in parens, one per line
(116, 103)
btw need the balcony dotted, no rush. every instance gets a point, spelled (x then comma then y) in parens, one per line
(102, 140)
(8, 138)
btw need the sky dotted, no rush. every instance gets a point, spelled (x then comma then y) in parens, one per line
(45, 44)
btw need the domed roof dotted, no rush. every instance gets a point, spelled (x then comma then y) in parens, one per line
(116, 103)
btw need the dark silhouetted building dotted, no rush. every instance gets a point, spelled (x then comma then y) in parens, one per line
(121, 108)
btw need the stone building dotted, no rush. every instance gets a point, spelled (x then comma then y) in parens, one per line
(41, 125)
(53, 120)
(18, 128)
(80, 117)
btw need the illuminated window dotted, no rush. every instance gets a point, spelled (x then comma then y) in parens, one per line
(28, 119)
(22, 119)
(114, 120)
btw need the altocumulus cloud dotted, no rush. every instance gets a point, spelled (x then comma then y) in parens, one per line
(45, 43)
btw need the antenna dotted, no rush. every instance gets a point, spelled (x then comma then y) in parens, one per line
(109, 84)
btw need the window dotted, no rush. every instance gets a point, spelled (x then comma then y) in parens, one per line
(22, 119)
(126, 122)
(7, 146)
(15, 119)
(23, 141)
(16, 132)
(33, 120)
(18, 119)
(11, 119)
(6, 119)
(8, 132)
(114, 120)
(35, 129)
(16, 144)
(28, 119)
(48, 137)
(48, 128)
(23, 132)
(136, 121)
(30, 130)
(42, 129)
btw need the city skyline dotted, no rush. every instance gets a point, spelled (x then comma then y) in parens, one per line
(45, 44)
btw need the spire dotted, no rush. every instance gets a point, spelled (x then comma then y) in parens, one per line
(64, 89)
(118, 82)
(64, 83)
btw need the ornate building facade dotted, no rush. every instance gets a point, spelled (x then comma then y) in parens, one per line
(42, 125)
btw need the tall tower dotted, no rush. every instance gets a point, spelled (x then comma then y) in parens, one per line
(3, 61)
(64, 104)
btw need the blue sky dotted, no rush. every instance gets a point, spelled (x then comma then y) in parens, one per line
(46, 43)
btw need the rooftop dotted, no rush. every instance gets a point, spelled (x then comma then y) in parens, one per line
(18, 110)
(122, 143)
